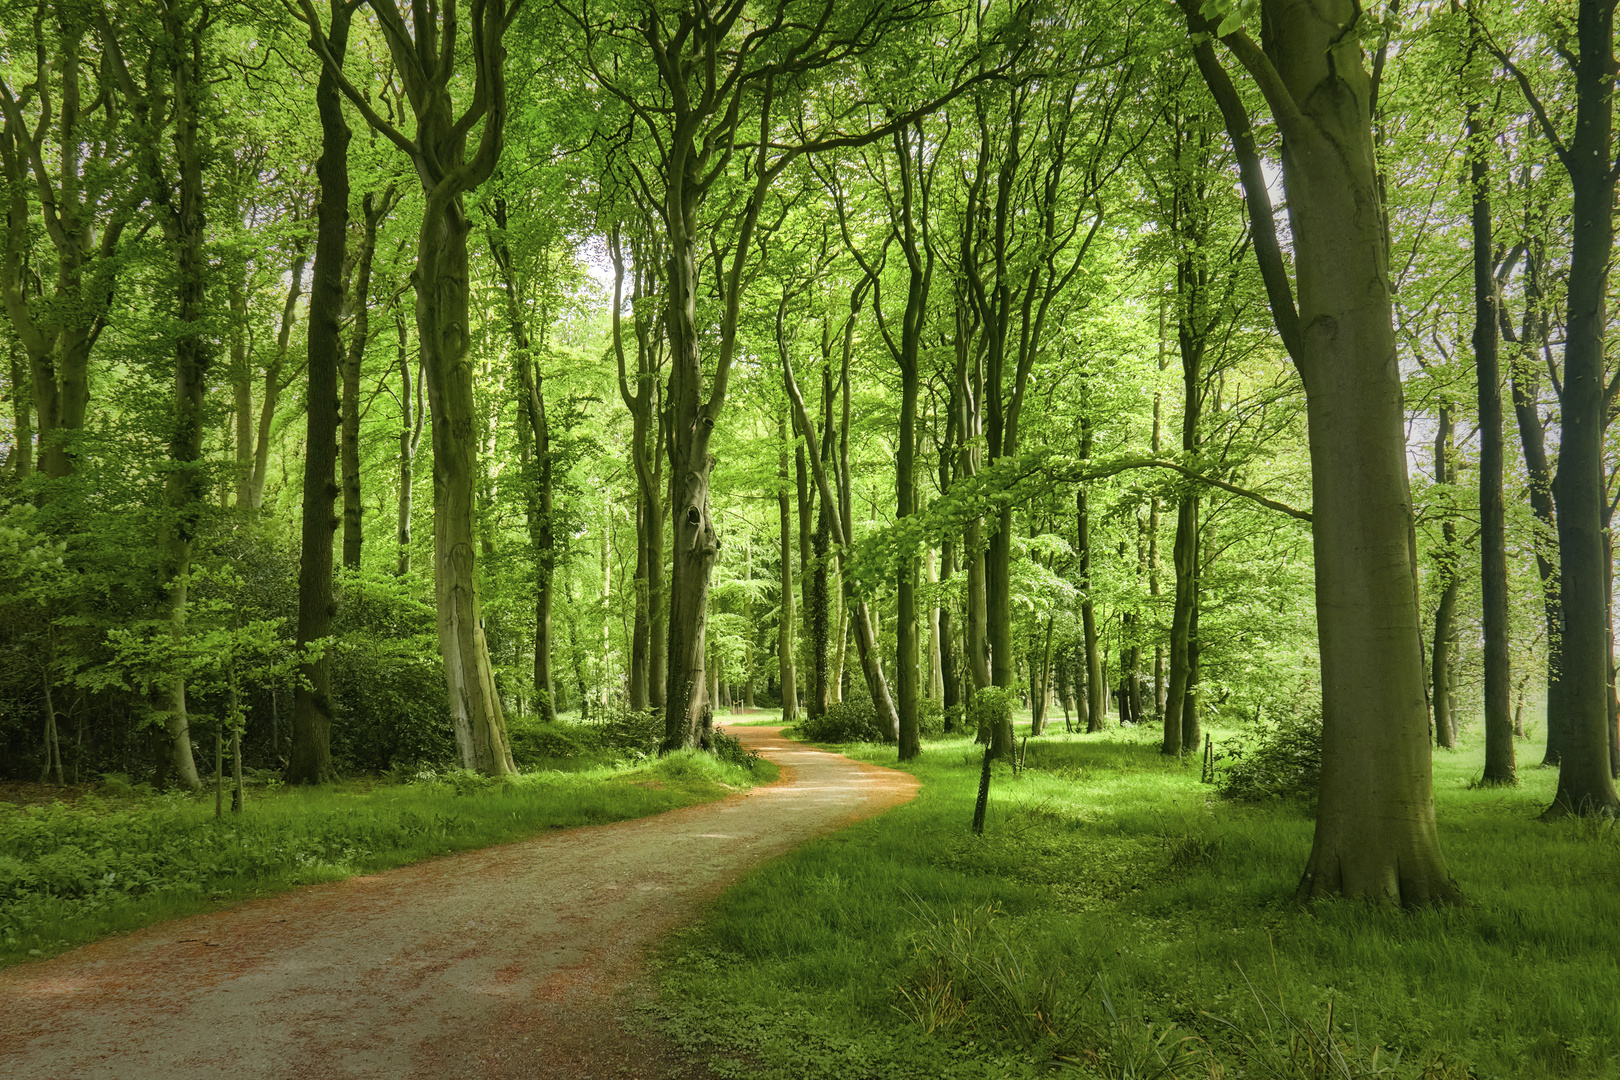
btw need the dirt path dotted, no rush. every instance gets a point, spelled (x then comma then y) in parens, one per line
(506, 962)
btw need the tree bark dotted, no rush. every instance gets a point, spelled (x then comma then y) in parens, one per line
(1445, 612)
(1585, 781)
(1375, 833)
(373, 211)
(1500, 764)
(785, 638)
(425, 59)
(410, 436)
(309, 759)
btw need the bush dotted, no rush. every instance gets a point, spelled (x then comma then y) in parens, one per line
(931, 718)
(848, 721)
(632, 733)
(537, 744)
(730, 749)
(1278, 759)
(992, 706)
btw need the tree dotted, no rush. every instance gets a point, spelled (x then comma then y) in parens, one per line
(1586, 400)
(426, 58)
(699, 81)
(1375, 830)
(309, 761)
(74, 160)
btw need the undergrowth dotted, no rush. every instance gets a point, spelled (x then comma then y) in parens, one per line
(120, 856)
(1121, 920)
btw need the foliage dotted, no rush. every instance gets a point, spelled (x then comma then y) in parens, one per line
(729, 749)
(387, 679)
(992, 706)
(854, 720)
(1277, 758)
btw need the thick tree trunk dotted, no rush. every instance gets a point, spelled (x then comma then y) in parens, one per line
(309, 760)
(1585, 781)
(442, 325)
(1375, 831)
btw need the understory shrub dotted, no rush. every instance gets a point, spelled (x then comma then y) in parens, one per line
(633, 733)
(1279, 758)
(540, 745)
(855, 720)
(931, 718)
(729, 748)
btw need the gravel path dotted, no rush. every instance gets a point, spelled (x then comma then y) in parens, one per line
(506, 962)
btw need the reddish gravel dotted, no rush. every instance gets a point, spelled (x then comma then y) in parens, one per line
(510, 962)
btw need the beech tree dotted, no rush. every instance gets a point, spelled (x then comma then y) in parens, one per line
(1375, 831)
(426, 53)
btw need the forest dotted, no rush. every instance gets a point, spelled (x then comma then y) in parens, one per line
(446, 391)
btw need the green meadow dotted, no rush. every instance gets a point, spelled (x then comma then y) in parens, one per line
(1118, 919)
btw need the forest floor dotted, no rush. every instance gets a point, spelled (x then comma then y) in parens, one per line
(518, 961)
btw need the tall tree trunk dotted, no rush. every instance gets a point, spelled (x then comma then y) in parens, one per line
(373, 211)
(785, 639)
(1375, 833)
(185, 489)
(1524, 379)
(860, 617)
(309, 760)
(410, 436)
(21, 459)
(1585, 782)
(275, 382)
(1500, 766)
(1445, 612)
(1096, 687)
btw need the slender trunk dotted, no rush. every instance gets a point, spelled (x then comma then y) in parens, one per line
(410, 436)
(241, 393)
(865, 633)
(1500, 766)
(785, 637)
(309, 760)
(274, 383)
(1445, 631)
(1095, 685)
(21, 459)
(359, 336)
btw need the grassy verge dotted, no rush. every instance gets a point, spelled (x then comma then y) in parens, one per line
(110, 862)
(1118, 920)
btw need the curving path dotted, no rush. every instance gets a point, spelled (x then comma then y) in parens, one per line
(503, 962)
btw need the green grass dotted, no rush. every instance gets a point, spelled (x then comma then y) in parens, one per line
(1119, 920)
(111, 862)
